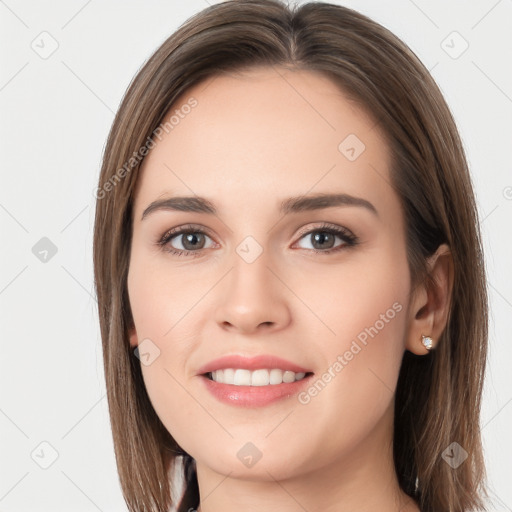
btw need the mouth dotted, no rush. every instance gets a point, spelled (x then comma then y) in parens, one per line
(266, 386)
(255, 378)
(253, 381)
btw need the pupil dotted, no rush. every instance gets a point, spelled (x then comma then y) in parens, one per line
(192, 239)
(322, 237)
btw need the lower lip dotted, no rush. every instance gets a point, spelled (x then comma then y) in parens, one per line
(254, 396)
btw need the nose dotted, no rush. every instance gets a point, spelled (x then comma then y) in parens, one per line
(253, 298)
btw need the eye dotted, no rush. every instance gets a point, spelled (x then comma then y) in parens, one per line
(190, 240)
(323, 238)
(185, 241)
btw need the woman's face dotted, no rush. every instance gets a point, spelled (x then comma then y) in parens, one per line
(323, 285)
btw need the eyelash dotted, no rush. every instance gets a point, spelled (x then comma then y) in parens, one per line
(349, 239)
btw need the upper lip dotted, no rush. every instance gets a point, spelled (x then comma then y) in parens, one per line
(251, 363)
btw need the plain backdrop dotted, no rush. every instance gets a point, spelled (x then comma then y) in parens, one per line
(64, 68)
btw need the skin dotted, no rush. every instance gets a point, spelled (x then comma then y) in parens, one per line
(253, 140)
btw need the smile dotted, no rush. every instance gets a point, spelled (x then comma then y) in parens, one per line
(260, 377)
(255, 381)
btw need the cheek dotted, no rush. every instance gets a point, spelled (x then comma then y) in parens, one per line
(362, 343)
(163, 308)
(361, 298)
(162, 299)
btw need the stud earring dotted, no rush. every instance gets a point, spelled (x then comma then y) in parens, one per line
(427, 342)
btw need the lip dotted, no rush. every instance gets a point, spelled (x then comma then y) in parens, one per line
(251, 363)
(253, 396)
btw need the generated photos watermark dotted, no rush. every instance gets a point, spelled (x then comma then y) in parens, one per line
(344, 359)
(137, 157)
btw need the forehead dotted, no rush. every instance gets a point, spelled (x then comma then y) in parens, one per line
(265, 131)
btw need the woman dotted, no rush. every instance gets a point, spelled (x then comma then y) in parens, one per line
(267, 371)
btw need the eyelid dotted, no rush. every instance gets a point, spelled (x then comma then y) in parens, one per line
(183, 229)
(323, 225)
(342, 232)
(201, 229)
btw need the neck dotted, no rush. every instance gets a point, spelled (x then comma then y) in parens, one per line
(363, 480)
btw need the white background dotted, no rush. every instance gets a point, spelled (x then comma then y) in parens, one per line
(55, 116)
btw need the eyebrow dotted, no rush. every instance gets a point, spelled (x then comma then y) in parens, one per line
(291, 205)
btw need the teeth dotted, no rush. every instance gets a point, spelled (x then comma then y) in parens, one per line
(259, 378)
(262, 377)
(276, 376)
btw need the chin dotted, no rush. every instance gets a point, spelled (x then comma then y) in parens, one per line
(255, 461)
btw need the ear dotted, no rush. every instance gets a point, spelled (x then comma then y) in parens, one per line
(132, 334)
(430, 302)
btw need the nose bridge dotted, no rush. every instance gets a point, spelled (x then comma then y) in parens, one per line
(250, 272)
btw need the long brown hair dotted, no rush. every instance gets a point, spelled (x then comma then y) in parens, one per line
(438, 396)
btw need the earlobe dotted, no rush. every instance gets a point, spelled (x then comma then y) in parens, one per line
(132, 335)
(427, 342)
(430, 304)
